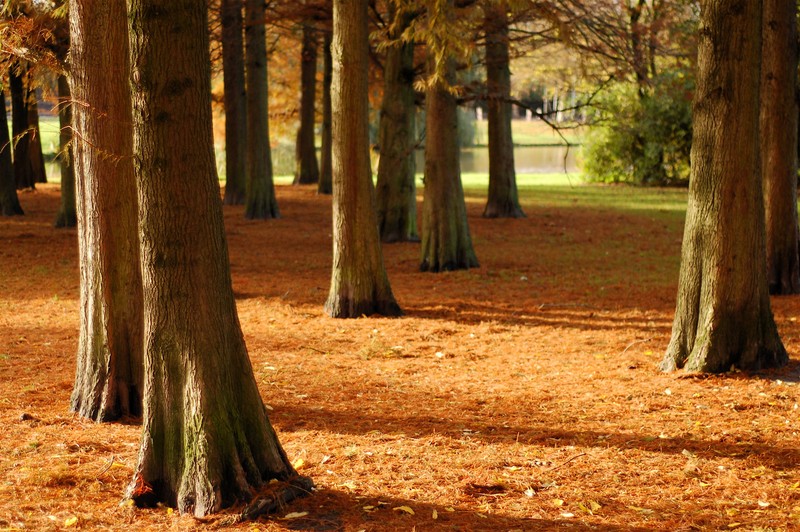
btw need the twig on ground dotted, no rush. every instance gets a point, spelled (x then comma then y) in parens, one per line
(294, 489)
(566, 462)
(106, 468)
(635, 343)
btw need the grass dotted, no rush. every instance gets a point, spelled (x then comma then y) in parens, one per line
(530, 132)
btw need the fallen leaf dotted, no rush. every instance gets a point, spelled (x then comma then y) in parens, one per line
(529, 492)
(368, 508)
(70, 521)
(297, 464)
(295, 515)
(763, 504)
(349, 485)
(734, 525)
(557, 502)
(450, 509)
(405, 509)
(594, 505)
(435, 514)
(567, 515)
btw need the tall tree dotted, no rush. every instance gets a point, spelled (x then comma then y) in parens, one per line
(24, 174)
(326, 157)
(67, 215)
(779, 144)
(723, 316)
(446, 242)
(261, 202)
(306, 168)
(36, 153)
(503, 200)
(359, 284)
(206, 438)
(235, 102)
(396, 187)
(109, 375)
(9, 201)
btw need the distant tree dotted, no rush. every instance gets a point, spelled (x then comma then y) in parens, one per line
(35, 150)
(359, 284)
(326, 157)
(206, 439)
(723, 317)
(779, 144)
(261, 202)
(235, 102)
(306, 168)
(67, 215)
(396, 187)
(109, 375)
(24, 173)
(9, 202)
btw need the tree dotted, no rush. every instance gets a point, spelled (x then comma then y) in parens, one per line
(67, 215)
(109, 375)
(723, 316)
(37, 157)
(779, 144)
(9, 201)
(396, 187)
(307, 171)
(206, 439)
(261, 202)
(24, 174)
(503, 200)
(359, 284)
(326, 155)
(235, 102)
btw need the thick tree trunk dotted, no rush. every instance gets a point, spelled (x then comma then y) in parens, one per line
(306, 169)
(503, 200)
(24, 175)
(37, 157)
(359, 284)
(396, 189)
(326, 155)
(206, 439)
(261, 202)
(779, 144)
(109, 376)
(67, 215)
(723, 317)
(9, 201)
(235, 102)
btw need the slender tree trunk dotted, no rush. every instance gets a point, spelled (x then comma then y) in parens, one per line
(37, 157)
(23, 169)
(779, 144)
(306, 170)
(261, 202)
(67, 215)
(396, 189)
(326, 157)
(235, 102)
(206, 438)
(359, 284)
(723, 317)
(503, 200)
(9, 201)
(109, 375)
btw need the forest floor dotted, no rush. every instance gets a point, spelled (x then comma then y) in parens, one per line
(521, 395)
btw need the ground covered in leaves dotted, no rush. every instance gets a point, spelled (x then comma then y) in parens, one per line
(522, 395)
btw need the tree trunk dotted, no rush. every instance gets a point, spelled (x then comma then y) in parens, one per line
(9, 201)
(261, 202)
(779, 144)
(109, 375)
(326, 157)
(37, 157)
(503, 200)
(206, 438)
(24, 175)
(67, 215)
(235, 102)
(359, 284)
(307, 171)
(396, 190)
(723, 317)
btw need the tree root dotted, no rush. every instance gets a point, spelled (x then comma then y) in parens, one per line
(277, 498)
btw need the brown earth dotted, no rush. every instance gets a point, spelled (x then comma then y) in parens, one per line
(523, 395)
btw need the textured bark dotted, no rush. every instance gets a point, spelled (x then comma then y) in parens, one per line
(9, 201)
(67, 215)
(779, 144)
(359, 284)
(503, 200)
(306, 168)
(261, 201)
(396, 188)
(109, 376)
(37, 157)
(326, 155)
(235, 102)
(24, 175)
(206, 438)
(723, 317)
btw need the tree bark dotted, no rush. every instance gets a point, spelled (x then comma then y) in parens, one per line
(109, 375)
(396, 189)
(206, 438)
(723, 317)
(67, 215)
(503, 199)
(235, 102)
(37, 157)
(306, 169)
(326, 155)
(24, 175)
(359, 284)
(779, 144)
(9, 201)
